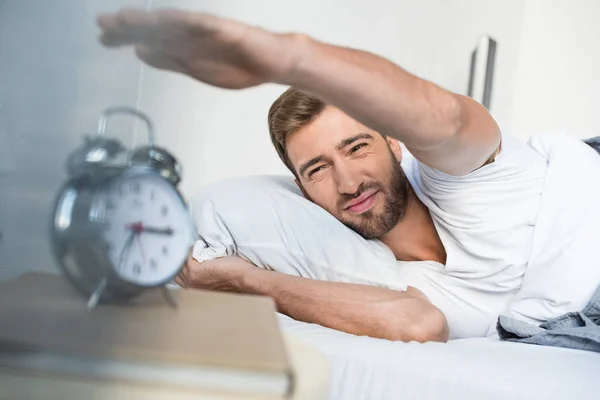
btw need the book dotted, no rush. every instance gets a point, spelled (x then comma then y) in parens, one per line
(220, 342)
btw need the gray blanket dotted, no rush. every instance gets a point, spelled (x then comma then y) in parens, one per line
(577, 330)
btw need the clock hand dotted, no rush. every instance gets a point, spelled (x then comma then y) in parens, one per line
(158, 231)
(139, 241)
(138, 227)
(126, 247)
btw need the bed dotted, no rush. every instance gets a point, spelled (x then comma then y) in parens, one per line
(479, 368)
(274, 229)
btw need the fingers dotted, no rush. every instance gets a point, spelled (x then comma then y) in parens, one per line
(157, 59)
(183, 278)
(190, 256)
(179, 280)
(129, 22)
(131, 26)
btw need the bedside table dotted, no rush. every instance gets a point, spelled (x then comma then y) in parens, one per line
(310, 368)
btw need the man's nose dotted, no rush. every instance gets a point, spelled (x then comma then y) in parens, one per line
(347, 181)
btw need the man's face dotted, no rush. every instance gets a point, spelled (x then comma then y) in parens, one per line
(351, 171)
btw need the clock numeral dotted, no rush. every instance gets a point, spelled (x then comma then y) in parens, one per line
(164, 211)
(165, 251)
(135, 187)
(137, 268)
(153, 263)
(152, 196)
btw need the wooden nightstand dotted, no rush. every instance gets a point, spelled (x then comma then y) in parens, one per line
(310, 369)
(212, 346)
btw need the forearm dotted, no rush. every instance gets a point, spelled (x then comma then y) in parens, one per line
(375, 91)
(352, 308)
(447, 131)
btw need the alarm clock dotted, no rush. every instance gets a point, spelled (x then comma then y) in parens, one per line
(119, 225)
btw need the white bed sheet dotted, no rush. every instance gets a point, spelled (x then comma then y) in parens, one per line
(481, 368)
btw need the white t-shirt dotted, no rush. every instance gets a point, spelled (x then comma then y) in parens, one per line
(486, 221)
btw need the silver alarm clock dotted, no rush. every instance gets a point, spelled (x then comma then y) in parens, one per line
(119, 224)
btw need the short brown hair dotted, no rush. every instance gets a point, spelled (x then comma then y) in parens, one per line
(288, 114)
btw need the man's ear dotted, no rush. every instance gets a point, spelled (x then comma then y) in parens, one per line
(302, 189)
(395, 147)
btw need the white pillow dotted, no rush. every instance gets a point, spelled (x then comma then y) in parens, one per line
(266, 220)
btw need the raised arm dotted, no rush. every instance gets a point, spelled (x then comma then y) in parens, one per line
(356, 309)
(444, 130)
(447, 131)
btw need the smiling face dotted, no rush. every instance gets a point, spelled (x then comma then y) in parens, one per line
(351, 171)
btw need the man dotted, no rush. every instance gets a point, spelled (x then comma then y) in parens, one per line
(458, 210)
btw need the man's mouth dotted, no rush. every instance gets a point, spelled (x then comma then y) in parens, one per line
(362, 203)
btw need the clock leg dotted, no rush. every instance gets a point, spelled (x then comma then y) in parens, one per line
(168, 296)
(95, 297)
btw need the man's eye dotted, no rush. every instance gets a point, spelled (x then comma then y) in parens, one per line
(315, 170)
(357, 147)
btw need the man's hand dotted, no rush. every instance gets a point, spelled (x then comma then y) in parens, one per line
(217, 51)
(223, 274)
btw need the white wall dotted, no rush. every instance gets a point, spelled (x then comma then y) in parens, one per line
(219, 134)
(55, 79)
(558, 79)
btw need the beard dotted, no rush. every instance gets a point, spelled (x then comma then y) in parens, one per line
(395, 190)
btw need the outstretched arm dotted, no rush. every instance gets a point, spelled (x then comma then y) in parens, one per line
(352, 308)
(444, 130)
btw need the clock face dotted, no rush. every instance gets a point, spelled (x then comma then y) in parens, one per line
(147, 229)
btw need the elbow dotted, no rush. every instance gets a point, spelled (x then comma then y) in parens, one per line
(425, 323)
(432, 327)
